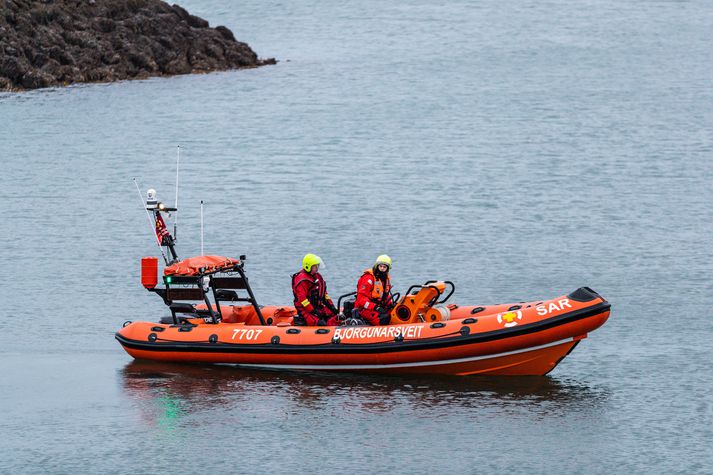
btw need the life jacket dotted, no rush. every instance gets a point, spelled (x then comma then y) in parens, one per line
(316, 293)
(379, 290)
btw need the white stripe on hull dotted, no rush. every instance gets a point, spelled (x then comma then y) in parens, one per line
(404, 365)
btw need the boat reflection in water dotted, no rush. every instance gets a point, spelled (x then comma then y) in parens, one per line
(170, 392)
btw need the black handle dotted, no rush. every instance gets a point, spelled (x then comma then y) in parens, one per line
(339, 301)
(453, 289)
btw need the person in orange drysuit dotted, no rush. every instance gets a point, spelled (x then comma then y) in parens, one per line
(374, 300)
(312, 302)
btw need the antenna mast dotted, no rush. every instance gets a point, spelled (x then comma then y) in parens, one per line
(151, 225)
(201, 227)
(175, 221)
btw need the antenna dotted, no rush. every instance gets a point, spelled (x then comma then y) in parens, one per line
(175, 220)
(201, 227)
(151, 225)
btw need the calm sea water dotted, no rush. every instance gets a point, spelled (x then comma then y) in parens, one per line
(521, 149)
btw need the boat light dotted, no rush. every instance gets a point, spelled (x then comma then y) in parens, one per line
(151, 202)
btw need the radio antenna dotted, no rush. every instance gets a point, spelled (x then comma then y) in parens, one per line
(175, 220)
(151, 225)
(201, 227)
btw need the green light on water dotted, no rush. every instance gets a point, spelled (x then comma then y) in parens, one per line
(170, 413)
(171, 409)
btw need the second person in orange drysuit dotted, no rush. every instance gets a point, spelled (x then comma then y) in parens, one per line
(374, 299)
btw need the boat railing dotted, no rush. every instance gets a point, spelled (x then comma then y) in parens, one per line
(221, 283)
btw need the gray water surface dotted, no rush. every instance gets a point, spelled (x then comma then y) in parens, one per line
(519, 149)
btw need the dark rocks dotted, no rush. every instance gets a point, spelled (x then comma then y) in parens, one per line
(13, 69)
(197, 22)
(227, 34)
(58, 42)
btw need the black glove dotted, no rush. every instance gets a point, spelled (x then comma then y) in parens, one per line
(321, 323)
(379, 310)
(384, 318)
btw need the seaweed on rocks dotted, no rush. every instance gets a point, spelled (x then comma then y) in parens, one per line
(45, 43)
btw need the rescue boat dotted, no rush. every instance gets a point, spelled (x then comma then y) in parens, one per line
(215, 318)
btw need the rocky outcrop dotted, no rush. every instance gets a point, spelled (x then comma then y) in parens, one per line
(53, 43)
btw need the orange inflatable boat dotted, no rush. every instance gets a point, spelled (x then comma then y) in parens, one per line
(215, 318)
(425, 335)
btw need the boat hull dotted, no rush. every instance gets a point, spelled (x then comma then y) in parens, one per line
(529, 341)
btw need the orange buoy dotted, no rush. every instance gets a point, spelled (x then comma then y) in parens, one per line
(149, 272)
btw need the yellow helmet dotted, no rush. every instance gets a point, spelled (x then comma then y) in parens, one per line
(310, 260)
(383, 259)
